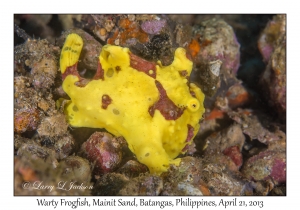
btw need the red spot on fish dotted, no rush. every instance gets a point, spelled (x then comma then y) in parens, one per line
(106, 100)
(118, 68)
(100, 72)
(185, 148)
(190, 133)
(165, 105)
(71, 70)
(142, 65)
(189, 56)
(189, 137)
(183, 73)
(193, 93)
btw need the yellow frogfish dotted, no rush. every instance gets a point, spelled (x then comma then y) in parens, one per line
(154, 107)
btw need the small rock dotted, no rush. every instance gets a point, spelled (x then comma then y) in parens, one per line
(147, 185)
(271, 35)
(104, 151)
(258, 125)
(273, 80)
(109, 184)
(37, 152)
(153, 26)
(218, 42)
(26, 120)
(53, 126)
(78, 167)
(227, 138)
(221, 178)
(238, 96)
(185, 179)
(132, 168)
(44, 72)
(235, 155)
(269, 164)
